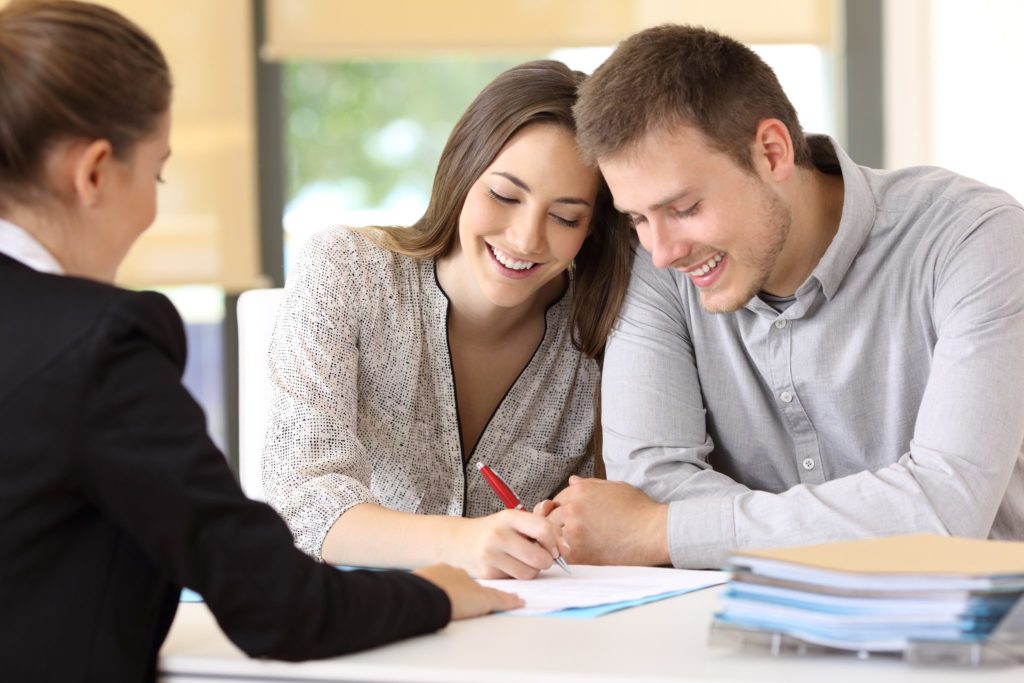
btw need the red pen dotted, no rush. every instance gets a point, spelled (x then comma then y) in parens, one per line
(508, 497)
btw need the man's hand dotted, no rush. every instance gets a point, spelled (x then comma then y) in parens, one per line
(609, 522)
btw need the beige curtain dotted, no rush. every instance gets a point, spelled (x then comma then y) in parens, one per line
(206, 231)
(325, 29)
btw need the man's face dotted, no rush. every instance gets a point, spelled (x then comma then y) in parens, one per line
(697, 211)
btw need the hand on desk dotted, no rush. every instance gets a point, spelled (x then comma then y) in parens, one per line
(510, 543)
(609, 522)
(469, 599)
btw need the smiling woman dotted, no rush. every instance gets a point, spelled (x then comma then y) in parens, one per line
(404, 356)
(521, 226)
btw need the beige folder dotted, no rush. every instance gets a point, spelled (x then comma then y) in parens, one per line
(917, 554)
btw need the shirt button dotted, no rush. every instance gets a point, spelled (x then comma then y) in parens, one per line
(808, 464)
(785, 397)
(780, 324)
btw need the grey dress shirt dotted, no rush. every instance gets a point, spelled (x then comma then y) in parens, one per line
(887, 398)
(363, 406)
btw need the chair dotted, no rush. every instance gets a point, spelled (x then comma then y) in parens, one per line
(257, 310)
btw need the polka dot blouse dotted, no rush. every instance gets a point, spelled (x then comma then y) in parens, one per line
(363, 406)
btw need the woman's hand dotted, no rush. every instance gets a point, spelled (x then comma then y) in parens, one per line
(511, 543)
(469, 599)
(545, 507)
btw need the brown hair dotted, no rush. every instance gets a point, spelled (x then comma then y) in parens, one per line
(68, 70)
(683, 75)
(535, 92)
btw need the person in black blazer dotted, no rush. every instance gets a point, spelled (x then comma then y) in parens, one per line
(112, 496)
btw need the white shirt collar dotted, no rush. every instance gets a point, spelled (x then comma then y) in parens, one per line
(20, 245)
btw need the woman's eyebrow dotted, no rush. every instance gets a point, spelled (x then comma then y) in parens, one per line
(518, 182)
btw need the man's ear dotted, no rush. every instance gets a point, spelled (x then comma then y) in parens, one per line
(92, 164)
(773, 152)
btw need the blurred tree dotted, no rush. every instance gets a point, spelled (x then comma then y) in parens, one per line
(376, 126)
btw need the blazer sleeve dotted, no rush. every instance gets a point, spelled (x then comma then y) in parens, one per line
(147, 463)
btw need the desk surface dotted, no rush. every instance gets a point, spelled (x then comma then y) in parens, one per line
(662, 641)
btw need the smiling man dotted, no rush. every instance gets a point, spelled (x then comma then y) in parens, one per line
(810, 350)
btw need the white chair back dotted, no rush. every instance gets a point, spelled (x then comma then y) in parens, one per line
(257, 310)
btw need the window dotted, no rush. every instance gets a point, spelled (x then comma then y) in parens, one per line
(363, 137)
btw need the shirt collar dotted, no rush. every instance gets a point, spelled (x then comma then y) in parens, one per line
(858, 214)
(21, 246)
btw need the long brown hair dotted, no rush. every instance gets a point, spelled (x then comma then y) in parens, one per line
(541, 91)
(72, 70)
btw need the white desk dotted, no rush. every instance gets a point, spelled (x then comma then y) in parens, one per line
(662, 641)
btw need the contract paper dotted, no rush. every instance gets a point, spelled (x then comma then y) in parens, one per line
(591, 590)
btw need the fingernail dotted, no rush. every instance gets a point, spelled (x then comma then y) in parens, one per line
(566, 545)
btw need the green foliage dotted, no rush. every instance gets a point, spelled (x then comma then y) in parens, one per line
(383, 123)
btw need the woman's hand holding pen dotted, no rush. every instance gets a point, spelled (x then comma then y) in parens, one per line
(469, 599)
(510, 543)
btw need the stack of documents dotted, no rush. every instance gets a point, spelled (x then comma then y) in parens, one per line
(876, 595)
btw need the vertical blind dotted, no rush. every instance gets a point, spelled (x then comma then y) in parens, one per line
(206, 230)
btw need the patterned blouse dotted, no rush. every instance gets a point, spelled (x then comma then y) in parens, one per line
(363, 406)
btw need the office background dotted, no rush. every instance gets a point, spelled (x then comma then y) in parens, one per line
(290, 115)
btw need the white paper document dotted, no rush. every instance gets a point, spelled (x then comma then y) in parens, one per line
(590, 586)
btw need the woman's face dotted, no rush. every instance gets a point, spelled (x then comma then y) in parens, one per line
(525, 218)
(132, 192)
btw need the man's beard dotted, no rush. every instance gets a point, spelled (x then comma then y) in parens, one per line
(772, 233)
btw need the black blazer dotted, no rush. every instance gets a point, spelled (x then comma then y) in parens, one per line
(112, 497)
